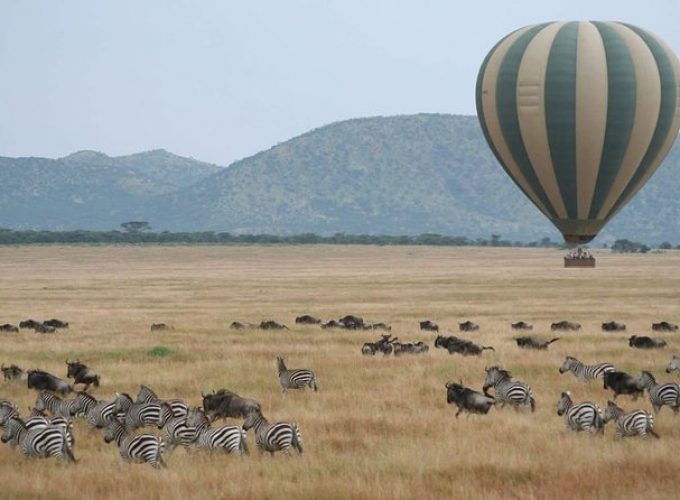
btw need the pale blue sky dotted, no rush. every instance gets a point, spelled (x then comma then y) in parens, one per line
(221, 80)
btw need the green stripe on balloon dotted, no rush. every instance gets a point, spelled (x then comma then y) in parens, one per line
(621, 90)
(560, 113)
(506, 102)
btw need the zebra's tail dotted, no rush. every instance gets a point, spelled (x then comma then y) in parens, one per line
(160, 451)
(243, 445)
(313, 384)
(599, 423)
(297, 439)
(67, 451)
(532, 401)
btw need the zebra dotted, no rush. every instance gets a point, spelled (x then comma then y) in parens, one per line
(507, 389)
(229, 438)
(139, 448)
(273, 437)
(581, 417)
(43, 442)
(37, 420)
(673, 365)
(83, 404)
(636, 423)
(177, 431)
(147, 395)
(294, 379)
(585, 372)
(7, 411)
(661, 394)
(147, 414)
(46, 401)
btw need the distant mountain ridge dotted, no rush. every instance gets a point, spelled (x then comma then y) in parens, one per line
(383, 175)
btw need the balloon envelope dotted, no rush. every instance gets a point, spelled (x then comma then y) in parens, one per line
(580, 115)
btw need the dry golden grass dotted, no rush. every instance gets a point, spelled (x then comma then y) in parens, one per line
(378, 427)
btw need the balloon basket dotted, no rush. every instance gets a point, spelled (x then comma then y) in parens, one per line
(579, 263)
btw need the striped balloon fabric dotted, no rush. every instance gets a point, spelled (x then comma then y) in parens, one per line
(580, 115)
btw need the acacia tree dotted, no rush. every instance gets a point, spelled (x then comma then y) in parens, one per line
(136, 226)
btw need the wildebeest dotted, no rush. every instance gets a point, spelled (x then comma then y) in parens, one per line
(56, 323)
(534, 343)
(522, 325)
(468, 326)
(237, 325)
(644, 342)
(332, 324)
(81, 374)
(381, 326)
(429, 326)
(416, 348)
(352, 322)
(565, 325)
(664, 326)
(272, 325)
(41, 380)
(225, 403)
(613, 326)
(157, 327)
(41, 328)
(673, 365)
(468, 400)
(460, 346)
(307, 320)
(29, 323)
(7, 327)
(12, 372)
(622, 383)
(383, 345)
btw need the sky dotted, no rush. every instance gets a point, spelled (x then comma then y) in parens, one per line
(222, 80)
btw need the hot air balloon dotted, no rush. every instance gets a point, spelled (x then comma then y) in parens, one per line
(580, 115)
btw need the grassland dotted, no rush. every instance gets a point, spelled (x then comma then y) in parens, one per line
(378, 427)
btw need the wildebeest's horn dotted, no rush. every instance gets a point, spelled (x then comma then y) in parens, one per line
(202, 395)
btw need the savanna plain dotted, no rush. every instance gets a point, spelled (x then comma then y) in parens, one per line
(379, 427)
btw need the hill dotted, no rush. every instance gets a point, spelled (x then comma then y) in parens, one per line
(382, 175)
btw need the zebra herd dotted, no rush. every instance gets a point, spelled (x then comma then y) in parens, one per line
(48, 430)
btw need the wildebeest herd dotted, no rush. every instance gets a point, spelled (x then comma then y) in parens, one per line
(47, 430)
(47, 326)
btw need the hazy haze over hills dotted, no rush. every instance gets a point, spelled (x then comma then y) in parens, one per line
(383, 175)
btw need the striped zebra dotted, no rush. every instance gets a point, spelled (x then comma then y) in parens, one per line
(46, 401)
(43, 442)
(7, 411)
(273, 437)
(507, 389)
(295, 379)
(177, 431)
(636, 423)
(229, 438)
(661, 394)
(585, 372)
(141, 448)
(673, 365)
(581, 417)
(37, 421)
(147, 395)
(147, 414)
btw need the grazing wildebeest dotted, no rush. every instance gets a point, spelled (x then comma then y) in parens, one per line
(227, 404)
(534, 343)
(416, 348)
(56, 323)
(41, 328)
(664, 326)
(613, 326)
(352, 322)
(81, 374)
(7, 327)
(40, 380)
(332, 324)
(565, 325)
(307, 320)
(12, 372)
(381, 326)
(468, 400)
(673, 365)
(622, 383)
(460, 346)
(644, 342)
(272, 325)
(468, 326)
(157, 327)
(237, 325)
(29, 323)
(383, 345)
(429, 326)
(522, 325)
